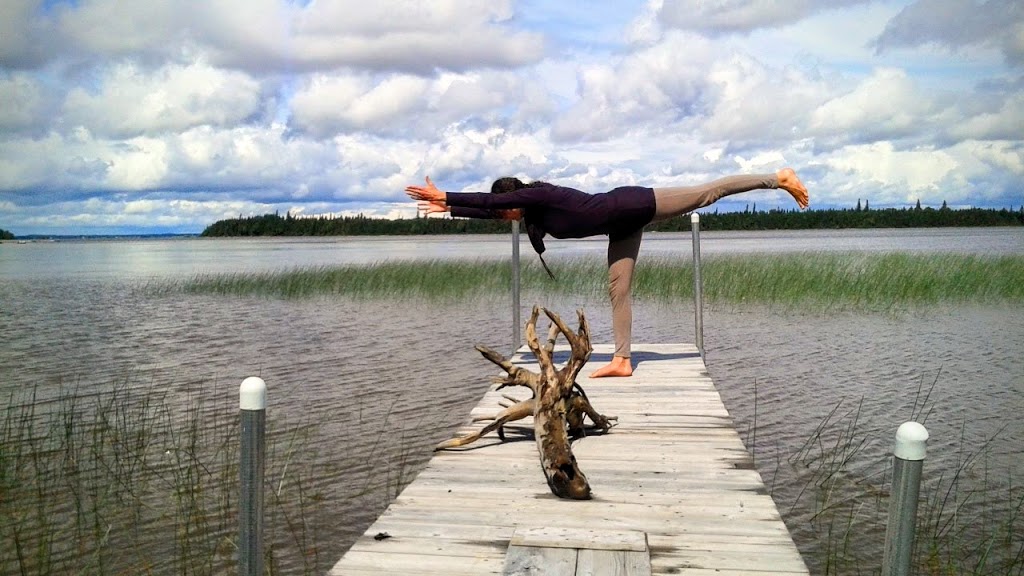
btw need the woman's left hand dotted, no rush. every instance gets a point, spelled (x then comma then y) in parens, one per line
(430, 193)
(431, 207)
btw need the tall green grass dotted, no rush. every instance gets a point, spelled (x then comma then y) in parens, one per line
(970, 518)
(127, 481)
(818, 280)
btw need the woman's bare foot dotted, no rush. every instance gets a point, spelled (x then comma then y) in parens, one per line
(619, 366)
(790, 182)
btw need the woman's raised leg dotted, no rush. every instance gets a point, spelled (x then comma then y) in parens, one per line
(678, 200)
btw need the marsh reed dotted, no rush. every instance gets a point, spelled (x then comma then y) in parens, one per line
(129, 481)
(816, 280)
(964, 526)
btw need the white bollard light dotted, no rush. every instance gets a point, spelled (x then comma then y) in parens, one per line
(908, 461)
(252, 401)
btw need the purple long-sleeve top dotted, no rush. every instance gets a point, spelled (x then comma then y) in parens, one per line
(563, 212)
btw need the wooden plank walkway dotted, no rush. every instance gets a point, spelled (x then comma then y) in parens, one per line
(675, 492)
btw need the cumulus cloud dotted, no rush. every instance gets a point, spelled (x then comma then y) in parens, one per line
(656, 85)
(681, 86)
(23, 102)
(885, 105)
(131, 101)
(272, 35)
(405, 106)
(1002, 121)
(740, 16)
(955, 24)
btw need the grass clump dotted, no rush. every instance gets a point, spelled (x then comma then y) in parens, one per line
(822, 280)
(875, 281)
(970, 519)
(129, 481)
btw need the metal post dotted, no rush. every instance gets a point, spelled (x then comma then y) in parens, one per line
(252, 396)
(698, 293)
(516, 320)
(908, 460)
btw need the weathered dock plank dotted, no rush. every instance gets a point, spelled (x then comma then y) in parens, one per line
(673, 475)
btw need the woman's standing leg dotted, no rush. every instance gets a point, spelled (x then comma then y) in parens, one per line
(622, 255)
(678, 200)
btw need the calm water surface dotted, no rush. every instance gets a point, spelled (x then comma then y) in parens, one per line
(383, 381)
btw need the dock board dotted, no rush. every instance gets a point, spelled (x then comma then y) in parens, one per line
(675, 491)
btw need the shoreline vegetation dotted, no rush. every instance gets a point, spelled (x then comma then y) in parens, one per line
(749, 219)
(814, 281)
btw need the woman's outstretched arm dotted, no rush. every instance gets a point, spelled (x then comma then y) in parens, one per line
(431, 200)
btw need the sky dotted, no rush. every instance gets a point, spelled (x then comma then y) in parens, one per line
(165, 116)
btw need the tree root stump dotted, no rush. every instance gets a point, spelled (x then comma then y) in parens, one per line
(559, 405)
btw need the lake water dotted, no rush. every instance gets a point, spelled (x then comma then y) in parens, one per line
(379, 382)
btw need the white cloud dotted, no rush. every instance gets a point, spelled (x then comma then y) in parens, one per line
(657, 85)
(645, 28)
(725, 16)
(21, 43)
(23, 104)
(131, 101)
(749, 102)
(331, 104)
(1004, 122)
(881, 163)
(141, 164)
(275, 35)
(404, 106)
(884, 105)
(957, 23)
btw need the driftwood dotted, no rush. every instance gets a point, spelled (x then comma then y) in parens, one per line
(559, 405)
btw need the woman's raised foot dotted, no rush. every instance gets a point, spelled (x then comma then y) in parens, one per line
(790, 182)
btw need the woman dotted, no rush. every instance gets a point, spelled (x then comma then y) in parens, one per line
(621, 213)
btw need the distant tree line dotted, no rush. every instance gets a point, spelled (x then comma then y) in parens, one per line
(916, 217)
(5, 235)
(749, 219)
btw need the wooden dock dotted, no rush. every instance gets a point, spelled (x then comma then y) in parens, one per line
(675, 492)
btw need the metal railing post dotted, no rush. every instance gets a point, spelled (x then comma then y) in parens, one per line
(908, 460)
(698, 292)
(516, 320)
(252, 401)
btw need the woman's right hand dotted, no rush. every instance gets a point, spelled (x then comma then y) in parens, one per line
(429, 193)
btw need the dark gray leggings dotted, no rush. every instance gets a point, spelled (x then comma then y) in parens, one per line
(668, 202)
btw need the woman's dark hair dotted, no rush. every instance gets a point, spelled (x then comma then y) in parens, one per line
(511, 184)
(506, 184)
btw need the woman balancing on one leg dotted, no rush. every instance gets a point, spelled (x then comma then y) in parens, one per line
(621, 213)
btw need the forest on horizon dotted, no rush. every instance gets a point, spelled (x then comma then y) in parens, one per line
(750, 219)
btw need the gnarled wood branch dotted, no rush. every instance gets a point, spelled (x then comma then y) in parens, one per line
(558, 404)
